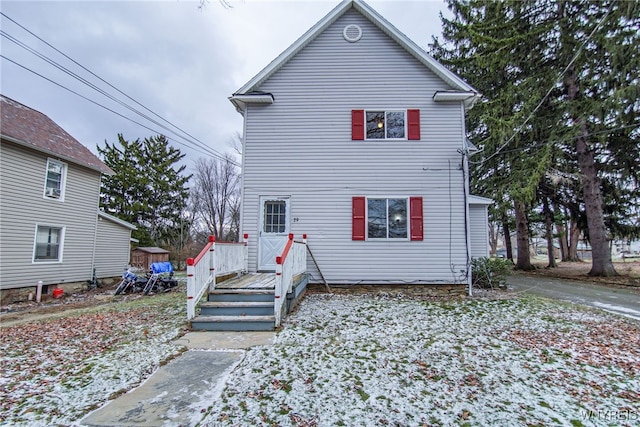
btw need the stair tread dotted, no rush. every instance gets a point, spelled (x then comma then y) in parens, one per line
(242, 291)
(238, 304)
(233, 319)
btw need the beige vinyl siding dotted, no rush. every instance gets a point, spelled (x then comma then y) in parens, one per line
(22, 207)
(301, 146)
(113, 251)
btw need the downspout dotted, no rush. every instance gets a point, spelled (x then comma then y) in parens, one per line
(95, 231)
(244, 150)
(467, 226)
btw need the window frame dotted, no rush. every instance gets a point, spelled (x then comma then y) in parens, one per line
(61, 235)
(386, 127)
(63, 180)
(407, 218)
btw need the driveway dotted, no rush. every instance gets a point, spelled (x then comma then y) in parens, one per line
(625, 302)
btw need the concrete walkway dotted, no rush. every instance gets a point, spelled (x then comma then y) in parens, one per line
(179, 393)
(625, 302)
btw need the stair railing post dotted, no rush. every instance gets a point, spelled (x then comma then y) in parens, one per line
(277, 306)
(245, 238)
(212, 263)
(191, 289)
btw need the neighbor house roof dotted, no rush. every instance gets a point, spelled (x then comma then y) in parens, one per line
(30, 128)
(461, 90)
(102, 214)
(477, 200)
(152, 250)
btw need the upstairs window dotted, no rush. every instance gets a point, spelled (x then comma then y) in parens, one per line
(55, 179)
(385, 124)
(48, 244)
(388, 124)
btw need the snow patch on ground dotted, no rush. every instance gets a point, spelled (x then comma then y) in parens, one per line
(57, 371)
(367, 360)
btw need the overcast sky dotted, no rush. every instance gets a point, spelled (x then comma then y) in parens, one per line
(180, 62)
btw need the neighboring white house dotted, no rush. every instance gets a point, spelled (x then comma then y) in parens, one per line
(356, 137)
(50, 226)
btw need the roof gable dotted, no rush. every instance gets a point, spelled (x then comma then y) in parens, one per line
(30, 128)
(446, 75)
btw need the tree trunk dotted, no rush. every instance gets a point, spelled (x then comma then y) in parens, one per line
(562, 236)
(506, 232)
(573, 242)
(522, 229)
(548, 221)
(493, 237)
(601, 264)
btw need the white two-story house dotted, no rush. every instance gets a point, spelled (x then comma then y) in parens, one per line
(355, 136)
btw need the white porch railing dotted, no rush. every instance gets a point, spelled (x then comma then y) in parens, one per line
(215, 259)
(291, 263)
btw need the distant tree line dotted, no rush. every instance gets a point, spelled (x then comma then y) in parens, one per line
(559, 122)
(150, 190)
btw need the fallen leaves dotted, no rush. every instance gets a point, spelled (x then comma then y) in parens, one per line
(48, 363)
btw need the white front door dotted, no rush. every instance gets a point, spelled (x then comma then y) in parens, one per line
(274, 230)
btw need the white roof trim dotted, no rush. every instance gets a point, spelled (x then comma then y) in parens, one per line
(117, 220)
(477, 200)
(240, 100)
(449, 77)
(468, 97)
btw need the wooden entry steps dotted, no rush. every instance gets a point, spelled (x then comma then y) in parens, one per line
(245, 303)
(236, 310)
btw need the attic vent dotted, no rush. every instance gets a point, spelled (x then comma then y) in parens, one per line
(352, 33)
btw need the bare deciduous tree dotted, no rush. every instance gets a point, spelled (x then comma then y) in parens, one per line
(216, 197)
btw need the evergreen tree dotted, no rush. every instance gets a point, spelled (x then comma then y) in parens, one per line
(148, 188)
(561, 86)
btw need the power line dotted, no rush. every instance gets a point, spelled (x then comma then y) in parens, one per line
(517, 131)
(101, 79)
(194, 147)
(198, 146)
(558, 141)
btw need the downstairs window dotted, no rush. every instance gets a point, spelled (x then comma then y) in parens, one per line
(387, 218)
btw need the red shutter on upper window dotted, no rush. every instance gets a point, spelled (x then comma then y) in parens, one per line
(357, 125)
(415, 213)
(413, 124)
(358, 218)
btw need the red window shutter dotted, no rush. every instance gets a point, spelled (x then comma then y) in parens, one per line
(358, 218)
(415, 213)
(357, 125)
(413, 124)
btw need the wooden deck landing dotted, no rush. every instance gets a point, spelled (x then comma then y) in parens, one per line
(250, 281)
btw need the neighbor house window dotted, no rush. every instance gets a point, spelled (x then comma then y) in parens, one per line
(385, 124)
(54, 182)
(387, 218)
(48, 244)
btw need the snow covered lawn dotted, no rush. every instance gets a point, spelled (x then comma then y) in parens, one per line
(346, 360)
(371, 361)
(56, 371)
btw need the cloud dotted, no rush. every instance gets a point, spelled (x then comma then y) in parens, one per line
(180, 62)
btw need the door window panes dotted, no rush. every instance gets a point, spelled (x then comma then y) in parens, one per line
(275, 216)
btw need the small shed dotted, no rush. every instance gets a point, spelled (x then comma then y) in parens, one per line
(142, 257)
